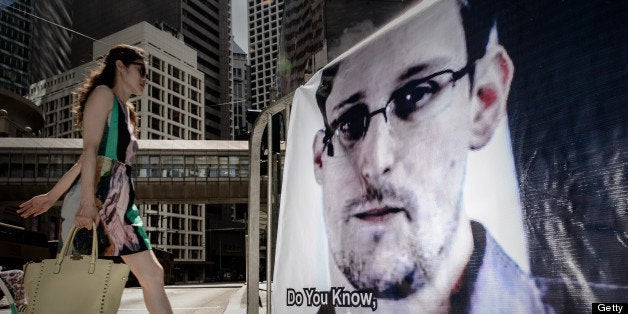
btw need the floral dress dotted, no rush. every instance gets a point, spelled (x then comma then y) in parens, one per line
(122, 229)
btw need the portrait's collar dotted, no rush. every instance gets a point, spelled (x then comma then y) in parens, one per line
(463, 290)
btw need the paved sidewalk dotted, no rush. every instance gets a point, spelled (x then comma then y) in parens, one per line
(182, 295)
(237, 302)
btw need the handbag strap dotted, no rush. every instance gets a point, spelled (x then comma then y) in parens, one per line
(66, 249)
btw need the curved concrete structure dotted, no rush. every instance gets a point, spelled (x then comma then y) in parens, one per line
(19, 116)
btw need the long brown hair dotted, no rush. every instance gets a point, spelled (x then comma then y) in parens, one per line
(105, 74)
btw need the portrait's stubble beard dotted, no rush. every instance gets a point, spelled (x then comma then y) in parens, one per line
(396, 258)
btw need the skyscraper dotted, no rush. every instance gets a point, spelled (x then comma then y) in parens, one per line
(170, 108)
(241, 93)
(204, 25)
(303, 49)
(51, 39)
(15, 36)
(264, 27)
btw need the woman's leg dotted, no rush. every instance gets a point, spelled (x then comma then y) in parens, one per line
(150, 274)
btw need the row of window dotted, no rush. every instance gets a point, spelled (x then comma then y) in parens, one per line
(173, 71)
(159, 94)
(191, 166)
(175, 223)
(62, 129)
(266, 9)
(180, 209)
(15, 34)
(44, 165)
(58, 103)
(159, 129)
(14, 62)
(178, 254)
(14, 49)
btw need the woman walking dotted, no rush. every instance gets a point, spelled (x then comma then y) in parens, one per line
(109, 124)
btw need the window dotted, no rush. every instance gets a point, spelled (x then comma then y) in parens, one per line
(177, 73)
(193, 95)
(156, 62)
(176, 131)
(177, 167)
(194, 81)
(28, 165)
(155, 124)
(156, 78)
(155, 108)
(190, 168)
(194, 123)
(176, 87)
(176, 101)
(4, 166)
(155, 168)
(195, 225)
(42, 166)
(155, 92)
(154, 237)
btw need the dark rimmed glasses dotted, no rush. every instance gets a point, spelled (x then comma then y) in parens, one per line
(143, 72)
(414, 95)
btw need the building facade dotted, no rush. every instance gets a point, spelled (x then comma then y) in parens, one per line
(241, 94)
(51, 39)
(316, 32)
(15, 38)
(172, 105)
(170, 108)
(203, 25)
(303, 49)
(264, 27)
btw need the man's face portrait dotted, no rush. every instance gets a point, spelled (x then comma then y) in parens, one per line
(402, 114)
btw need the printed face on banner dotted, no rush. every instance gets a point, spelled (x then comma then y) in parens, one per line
(400, 114)
(392, 190)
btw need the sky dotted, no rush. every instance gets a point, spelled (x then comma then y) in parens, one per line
(239, 24)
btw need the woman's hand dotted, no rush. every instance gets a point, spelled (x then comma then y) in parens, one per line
(87, 214)
(36, 205)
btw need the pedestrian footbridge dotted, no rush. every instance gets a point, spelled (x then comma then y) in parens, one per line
(165, 171)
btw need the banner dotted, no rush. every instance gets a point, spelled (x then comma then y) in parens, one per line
(444, 165)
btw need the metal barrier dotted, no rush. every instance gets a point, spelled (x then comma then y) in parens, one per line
(255, 142)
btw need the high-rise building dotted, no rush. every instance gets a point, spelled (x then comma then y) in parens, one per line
(303, 49)
(51, 38)
(264, 27)
(170, 108)
(15, 37)
(241, 94)
(203, 25)
(315, 32)
(54, 96)
(206, 27)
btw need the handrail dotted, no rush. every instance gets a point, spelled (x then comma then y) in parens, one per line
(252, 261)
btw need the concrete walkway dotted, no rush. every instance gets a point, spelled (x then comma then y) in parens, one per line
(237, 302)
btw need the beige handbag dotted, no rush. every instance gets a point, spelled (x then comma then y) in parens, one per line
(74, 283)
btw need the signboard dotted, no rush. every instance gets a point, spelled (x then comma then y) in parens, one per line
(466, 157)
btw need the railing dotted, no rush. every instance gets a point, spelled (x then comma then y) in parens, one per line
(253, 248)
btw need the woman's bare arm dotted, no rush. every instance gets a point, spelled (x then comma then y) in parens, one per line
(95, 115)
(41, 203)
